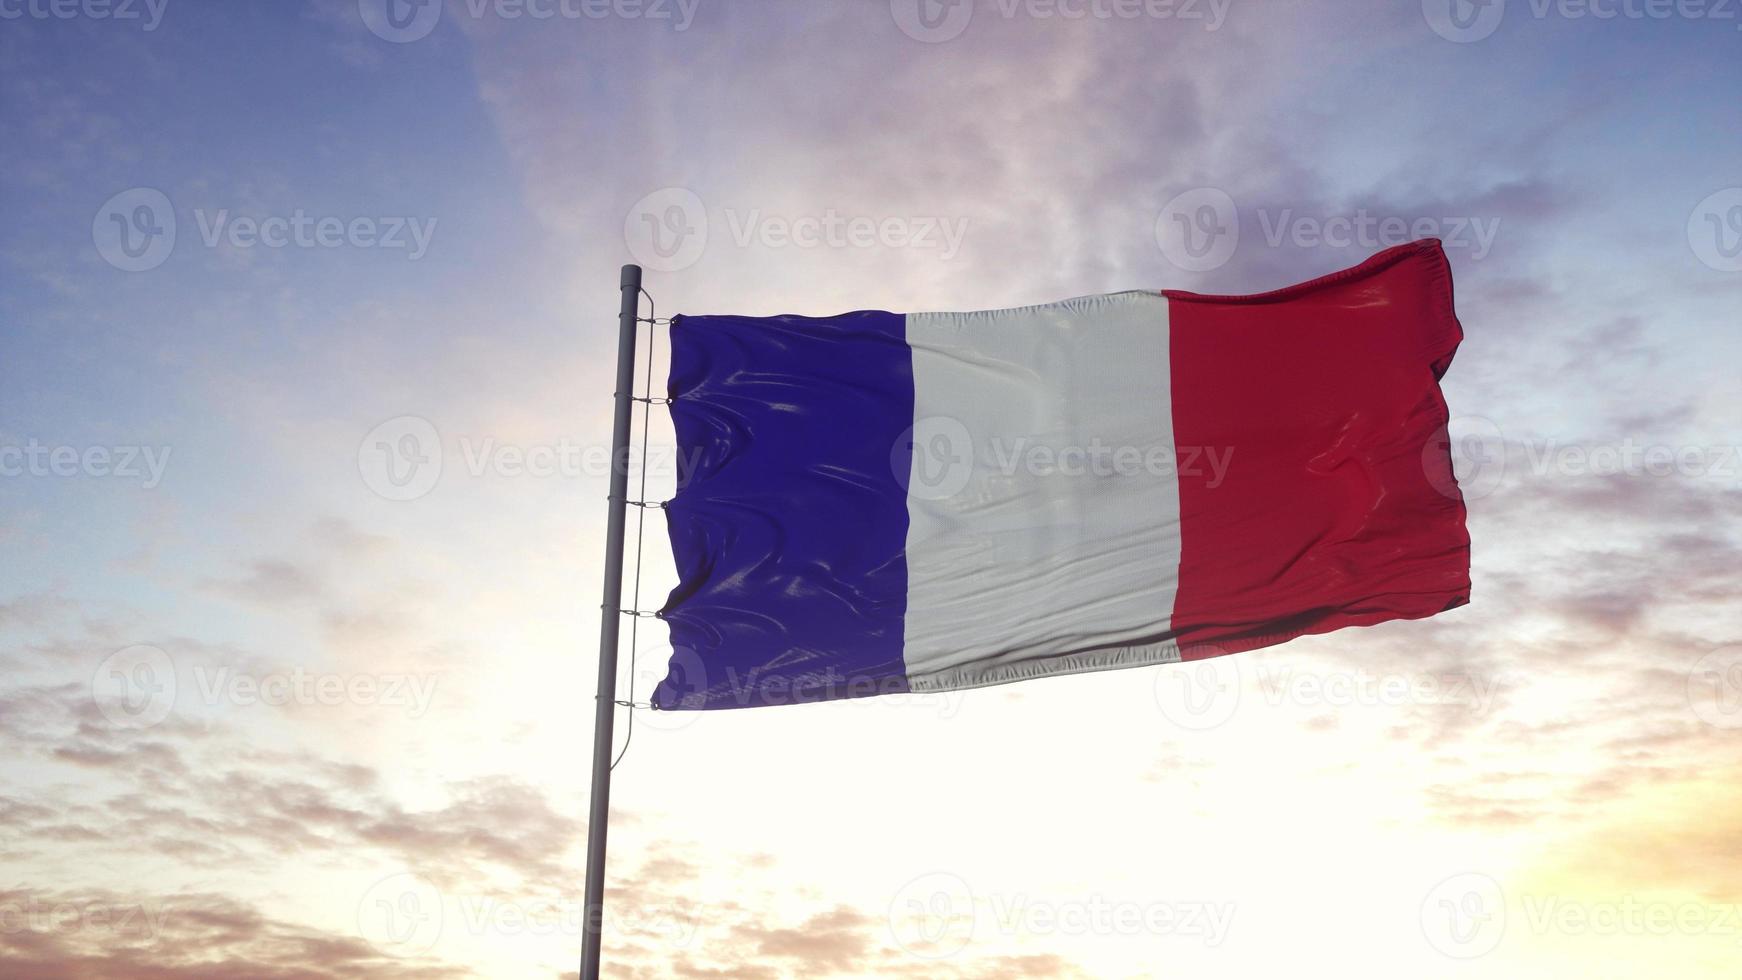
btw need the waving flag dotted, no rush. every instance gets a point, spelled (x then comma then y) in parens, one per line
(877, 502)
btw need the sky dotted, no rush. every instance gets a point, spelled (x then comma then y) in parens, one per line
(307, 335)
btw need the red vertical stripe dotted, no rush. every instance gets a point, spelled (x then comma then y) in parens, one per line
(1336, 506)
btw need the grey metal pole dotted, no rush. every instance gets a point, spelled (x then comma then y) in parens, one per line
(610, 615)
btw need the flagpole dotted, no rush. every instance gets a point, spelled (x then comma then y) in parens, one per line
(610, 615)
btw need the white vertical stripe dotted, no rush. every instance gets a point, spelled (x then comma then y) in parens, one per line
(1043, 502)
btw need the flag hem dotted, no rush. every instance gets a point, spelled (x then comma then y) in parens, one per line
(969, 676)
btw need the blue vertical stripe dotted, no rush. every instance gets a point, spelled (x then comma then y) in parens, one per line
(790, 520)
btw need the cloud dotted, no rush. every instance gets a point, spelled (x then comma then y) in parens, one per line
(199, 790)
(107, 935)
(833, 940)
(273, 582)
(344, 539)
(34, 609)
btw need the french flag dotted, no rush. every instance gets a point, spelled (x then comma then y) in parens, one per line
(875, 503)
